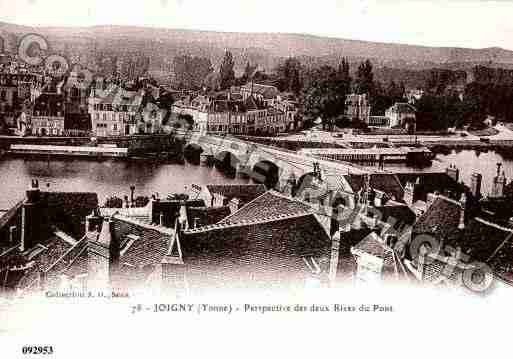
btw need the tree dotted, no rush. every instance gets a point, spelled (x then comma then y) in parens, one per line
(226, 72)
(190, 72)
(323, 95)
(343, 79)
(141, 201)
(114, 202)
(365, 78)
(247, 75)
(289, 76)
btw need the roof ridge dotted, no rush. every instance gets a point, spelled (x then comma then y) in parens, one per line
(450, 200)
(245, 223)
(82, 241)
(495, 225)
(244, 206)
(157, 228)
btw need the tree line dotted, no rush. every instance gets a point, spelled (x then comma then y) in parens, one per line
(452, 98)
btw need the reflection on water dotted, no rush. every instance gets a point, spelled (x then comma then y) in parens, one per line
(468, 161)
(105, 178)
(114, 177)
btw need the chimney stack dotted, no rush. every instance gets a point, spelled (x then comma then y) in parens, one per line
(132, 196)
(453, 172)
(93, 223)
(31, 217)
(334, 257)
(12, 234)
(234, 205)
(409, 193)
(475, 184)
(103, 257)
(499, 183)
(463, 203)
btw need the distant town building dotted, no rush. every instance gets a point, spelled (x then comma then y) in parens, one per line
(15, 90)
(48, 115)
(357, 107)
(264, 93)
(401, 115)
(414, 95)
(120, 112)
(232, 113)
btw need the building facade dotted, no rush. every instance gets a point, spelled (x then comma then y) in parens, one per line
(401, 115)
(48, 115)
(357, 107)
(115, 111)
(237, 116)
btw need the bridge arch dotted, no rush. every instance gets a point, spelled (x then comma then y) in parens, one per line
(193, 147)
(266, 172)
(228, 162)
(192, 152)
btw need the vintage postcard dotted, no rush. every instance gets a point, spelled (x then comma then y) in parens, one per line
(255, 178)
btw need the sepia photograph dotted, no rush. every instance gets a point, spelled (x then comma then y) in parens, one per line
(255, 178)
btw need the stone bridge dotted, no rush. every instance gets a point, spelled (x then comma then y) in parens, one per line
(278, 168)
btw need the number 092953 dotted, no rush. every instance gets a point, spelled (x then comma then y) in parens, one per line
(37, 350)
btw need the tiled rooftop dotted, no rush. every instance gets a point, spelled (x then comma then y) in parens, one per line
(206, 215)
(244, 192)
(441, 219)
(270, 204)
(374, 246)
(385, 182)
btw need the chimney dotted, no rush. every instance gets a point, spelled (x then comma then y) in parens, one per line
(41, 274)
(12, 234)
(290, 185)
(463, 204)
(409, 193)
(374, 221)
(475, 184)
(453, 172)
(183, 216)
(334, 257)
(234, 205)
(499, 182)
(173, 270)
(151, 205)
(31, 226)
(93, 223)
(391, 241)
(103, 257)
(132, 196)
(335, 219)
(431, 198)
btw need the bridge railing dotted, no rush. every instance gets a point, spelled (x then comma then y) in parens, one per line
(290, 152)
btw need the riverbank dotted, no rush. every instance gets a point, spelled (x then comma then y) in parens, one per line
(134, 146)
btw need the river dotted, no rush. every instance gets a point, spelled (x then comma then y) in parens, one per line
(109, 178)
(106, 178)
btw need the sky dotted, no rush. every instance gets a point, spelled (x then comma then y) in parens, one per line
(462, 23)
